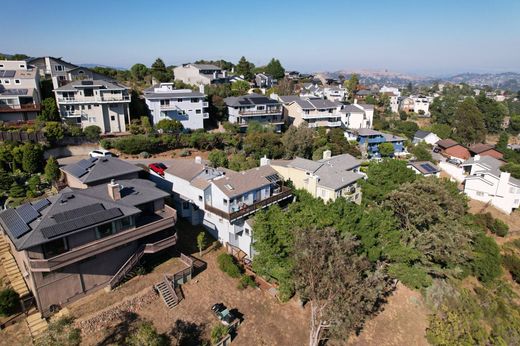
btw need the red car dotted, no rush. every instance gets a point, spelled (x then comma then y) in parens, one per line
(158, 168)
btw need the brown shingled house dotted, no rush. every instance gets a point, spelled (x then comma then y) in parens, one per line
(453, 150)
(485, 150)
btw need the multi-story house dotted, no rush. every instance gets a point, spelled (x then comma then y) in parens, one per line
(335, 93)
(328, 179)
(185, 105)
(312, 90)
(221, 199)
(487, 183)
(199, 74)
(393, 90)
(369, 141)
(95, 102)
(357, 115)
(315, 112)
(263, 80)
(83, 239)
(419, 104)
(254, 107)
(19, 91)
(425, 136)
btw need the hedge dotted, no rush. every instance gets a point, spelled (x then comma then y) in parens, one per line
(228, 265)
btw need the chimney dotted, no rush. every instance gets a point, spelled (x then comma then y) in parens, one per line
(327, 154)
(503, 184)
(264, 161)
(355, 100)
(198, 160)
(215, 75)
(224, 74)
(114, 190)
(476, 158)
(201, 88)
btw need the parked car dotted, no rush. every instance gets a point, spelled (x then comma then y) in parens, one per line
(454, 161)
(224, 315)
(437, 150)
(100, 153)
(158, 167)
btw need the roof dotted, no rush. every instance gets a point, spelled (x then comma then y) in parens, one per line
(393, 138)
(364, 92)
(249, 100)
(150, 93)
(458, 151)
(237, 183)
(103, 84)
(352, 109)
(186, 169)
(481, 147)
(96, 169)
(425, 167)
(446, 143)
(488, 162)
(305, 164)
(206, 67)
(74, 210)
(368, 132)
(288, 98)
(421, 134)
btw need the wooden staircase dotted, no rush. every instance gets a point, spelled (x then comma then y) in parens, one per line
(37, 325)
(12, 270)
(167, 292)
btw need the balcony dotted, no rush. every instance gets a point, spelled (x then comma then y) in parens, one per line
(284, 193)
(74, 114)
(94, 99)
(19, 108)
(320, 115)
(147, 225)
(333, 123)
(260, 112)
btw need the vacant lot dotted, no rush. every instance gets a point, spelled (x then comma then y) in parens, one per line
(512, 220)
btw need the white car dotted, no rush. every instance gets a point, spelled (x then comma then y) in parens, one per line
(100, 153)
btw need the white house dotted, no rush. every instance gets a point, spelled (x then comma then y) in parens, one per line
(425, 136)
(485, 182)
(357, 116)
(221, 199)
(419, 104)
(199, 74)
(335, 93)
(185, 105)
(315, 112)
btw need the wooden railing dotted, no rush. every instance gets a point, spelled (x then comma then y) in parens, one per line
(161, 244)
(285, 193)
(17, 108)
(126, 267)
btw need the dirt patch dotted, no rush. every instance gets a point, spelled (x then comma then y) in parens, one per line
(403, 321)
(16, 334)
(512, 220)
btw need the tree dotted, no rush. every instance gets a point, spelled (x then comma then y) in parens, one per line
(492, 111)
(159, 71)
(92, 133)
(352, 85)
(146, 335)
(487, 264)
(298, 141)
(52, 170)
(240, 87)
(386, 149)
(469, 123)
(170, 126)
(49, 110)
(245, 68)
(514, 123)
(9, 301)
(53, 131)
(275, 69)
(218, 332)
(328, 268)
(422, 152)
(385, 177)
(32, 155)
(441, 130)
(139, 71)
(503, 140)
(201, 241)
(218, 158)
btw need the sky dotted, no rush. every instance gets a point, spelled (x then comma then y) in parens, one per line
(433, 38)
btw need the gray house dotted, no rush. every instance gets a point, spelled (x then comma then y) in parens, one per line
(83, 239)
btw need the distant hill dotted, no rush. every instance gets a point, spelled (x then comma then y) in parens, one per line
(101, 65)
(506, 80)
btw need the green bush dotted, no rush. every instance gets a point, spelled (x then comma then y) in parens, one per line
(486, 262)
(488, 222)
(134, 145)
(512, 263)
(184, 153)
(9, 302)
(92, 133)
(144, 154)
(218, 332)
(245, 282)
(228, 265)
(60, 332)
(500, 228)
(412, 277)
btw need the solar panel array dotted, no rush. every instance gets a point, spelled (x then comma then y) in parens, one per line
(27, 213)
(17, 220)
(428, 168)
(72, 214)
(7, 73)
(41, 204)
(80, 222)
(81, 167)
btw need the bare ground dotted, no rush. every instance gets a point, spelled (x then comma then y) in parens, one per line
(512, 220)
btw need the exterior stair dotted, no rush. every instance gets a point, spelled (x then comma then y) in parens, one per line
(12, 270)
(37, 325)
(167, 293)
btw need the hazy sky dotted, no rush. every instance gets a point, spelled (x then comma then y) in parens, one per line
(424, 37)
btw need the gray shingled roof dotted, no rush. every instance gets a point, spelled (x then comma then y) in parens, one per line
(421, 134)
(486, 161)
(316, 103)
(250, 100)
(304, 164)
(337, 180)
(133, 192)
(206, 67)
(186, 169)
(352, 109)
(237, 183)
(102, 169)
(289, 98)
(150, 93)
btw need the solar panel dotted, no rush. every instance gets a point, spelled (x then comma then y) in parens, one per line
(14, 223)
(429, 168)
(41, 204)
(80, 222)
(76, 170)
(27, 213)
(86, 163)
(244, 102)
(7, 73)
(74, 213)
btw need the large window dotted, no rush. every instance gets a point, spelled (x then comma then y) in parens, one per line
(127, 223)
(105, 230)
(55, 247)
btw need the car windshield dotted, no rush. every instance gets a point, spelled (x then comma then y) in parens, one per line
(161, 165)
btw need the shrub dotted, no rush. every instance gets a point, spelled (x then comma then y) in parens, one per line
(228, 265)
(60, 332)
(9, 301)
(413, 277)
(500, 228)
(486, 262)
(106, 144)
(485, 220)
(92, 133)
(246, 281)
(144, 154)
(74, 131)
(185, 153)
(136, 144)
(218, 332)
(512, 263)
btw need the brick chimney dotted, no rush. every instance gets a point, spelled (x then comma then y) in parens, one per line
(114, 190)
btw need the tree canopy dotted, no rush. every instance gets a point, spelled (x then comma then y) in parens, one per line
(245, 68)
(275, 69)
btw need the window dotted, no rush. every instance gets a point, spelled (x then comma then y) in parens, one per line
(91, 119)
(1, 65)
(127, 223)
(195, 100)
(200, 198)
(113, 117)
(224, 201)
(6, 81)
(58, 67)
(55, 247)
(17, 81)
(22, 65)
(105, 230)
(247, 231)
(88, 92)
(198, 111)
(89, 106)
(179, 100)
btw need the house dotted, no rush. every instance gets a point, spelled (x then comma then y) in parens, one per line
(419, 104)
(312, 90)
(254, 107)
(385, 89)
(485, 150)
(263, 80)
(84, 239)
(315, 112)
(293, 75)
(54, 69)
(425, 168)
(369, 141)
(453, 150)
(335, 93)
(328, 178)
(394, 101)
(360, 95)
(95, 102)
(485, 182)
(197, 74)
(425, 136)
(357, 115)
(223, 200)
(19, 91)
(185, 105)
